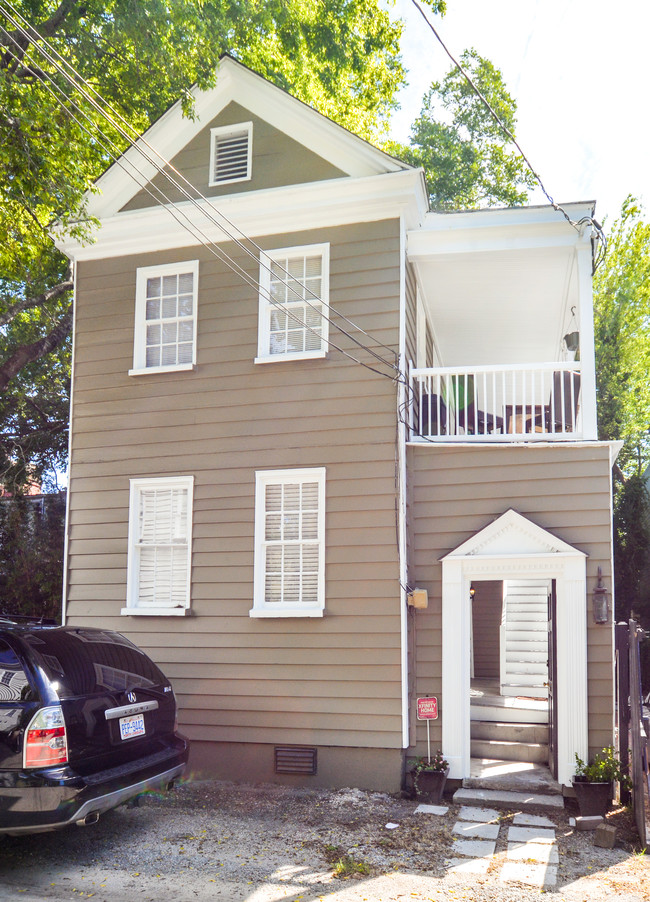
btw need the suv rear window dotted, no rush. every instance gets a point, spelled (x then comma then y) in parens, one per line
(14, 685)
(95, 662)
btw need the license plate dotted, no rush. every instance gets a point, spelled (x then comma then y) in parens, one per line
(132, 726)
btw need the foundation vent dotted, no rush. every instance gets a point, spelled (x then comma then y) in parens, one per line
(295, 760)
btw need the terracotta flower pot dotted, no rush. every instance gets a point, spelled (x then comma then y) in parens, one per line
(593, 798)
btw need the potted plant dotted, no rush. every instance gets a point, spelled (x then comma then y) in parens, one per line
(429, 776)
(593, 783)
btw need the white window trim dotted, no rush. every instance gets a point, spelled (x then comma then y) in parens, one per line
(262, 479)
(220, 132)
(263, 334)
(133, 609)
(140, 329)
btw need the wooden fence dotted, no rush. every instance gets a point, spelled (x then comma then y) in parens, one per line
(633, 722)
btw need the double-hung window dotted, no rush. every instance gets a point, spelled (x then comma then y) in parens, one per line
(160, 546)
(165, 318)
(289, 543)
(293, 305)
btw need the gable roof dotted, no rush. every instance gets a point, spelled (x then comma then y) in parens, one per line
(235, 82)
(511, 534)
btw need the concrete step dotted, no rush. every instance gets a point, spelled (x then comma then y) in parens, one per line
(510, 799)
(536, 692)
(509, 751)
(506, 709)
(518, 676)
(511, 732)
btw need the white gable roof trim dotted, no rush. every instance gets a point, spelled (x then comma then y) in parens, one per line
(512, 534)
(271, 211)
(236, 83)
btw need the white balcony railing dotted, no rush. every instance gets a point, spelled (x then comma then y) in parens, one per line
(521, 402)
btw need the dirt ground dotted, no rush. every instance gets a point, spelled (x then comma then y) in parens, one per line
(216, 840)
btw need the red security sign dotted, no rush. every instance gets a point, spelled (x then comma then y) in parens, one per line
(428, 708)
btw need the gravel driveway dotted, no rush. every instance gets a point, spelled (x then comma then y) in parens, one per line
(216, 840)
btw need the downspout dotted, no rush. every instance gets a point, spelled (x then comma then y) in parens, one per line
(64, 606)
(402, 408)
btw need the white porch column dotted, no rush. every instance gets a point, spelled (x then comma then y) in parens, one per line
(455, 669)
(570, 690)
(587, 350)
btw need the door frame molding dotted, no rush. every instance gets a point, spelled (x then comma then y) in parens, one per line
(513, 547)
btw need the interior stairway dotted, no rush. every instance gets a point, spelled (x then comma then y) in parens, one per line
(524, 639)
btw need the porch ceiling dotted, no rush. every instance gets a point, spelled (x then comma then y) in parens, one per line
(510, 306)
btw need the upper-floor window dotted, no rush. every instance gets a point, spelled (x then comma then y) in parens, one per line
(231, 153)
(160, 545)
(165, 317)
(293, 306)
(289, 543)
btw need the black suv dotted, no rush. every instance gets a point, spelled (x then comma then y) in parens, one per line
(87, 722)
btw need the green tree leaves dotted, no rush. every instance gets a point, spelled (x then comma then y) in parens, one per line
(339, 55)
(465, 153)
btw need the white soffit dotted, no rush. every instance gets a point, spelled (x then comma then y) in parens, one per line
(511, 228)
(171, 132)
(271, 211)
(512, 534)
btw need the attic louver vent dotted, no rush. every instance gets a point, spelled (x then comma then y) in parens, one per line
(231, 154)
(295, 760)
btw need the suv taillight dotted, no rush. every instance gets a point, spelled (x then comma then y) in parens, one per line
(46, 744)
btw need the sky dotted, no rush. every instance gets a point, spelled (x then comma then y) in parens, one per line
(580, 73)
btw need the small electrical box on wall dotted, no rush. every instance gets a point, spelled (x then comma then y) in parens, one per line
(418, 598)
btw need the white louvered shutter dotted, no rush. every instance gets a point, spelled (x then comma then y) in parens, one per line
(163, 538)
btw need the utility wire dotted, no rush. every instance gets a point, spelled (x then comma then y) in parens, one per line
(181, 217)
(78, 82)
(586, 220)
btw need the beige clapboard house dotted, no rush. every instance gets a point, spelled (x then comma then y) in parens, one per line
(304, 397)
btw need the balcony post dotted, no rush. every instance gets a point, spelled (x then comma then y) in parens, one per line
(587, 350)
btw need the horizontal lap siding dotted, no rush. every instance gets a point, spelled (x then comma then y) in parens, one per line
(329, 681)
(277, 159)
(455, 492)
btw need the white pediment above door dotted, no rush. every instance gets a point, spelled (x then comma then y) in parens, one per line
(511, 534)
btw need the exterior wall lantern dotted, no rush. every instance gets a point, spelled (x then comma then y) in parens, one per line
(601, 606)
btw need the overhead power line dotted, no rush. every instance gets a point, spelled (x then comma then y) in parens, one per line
(586, 220)
(181, 184)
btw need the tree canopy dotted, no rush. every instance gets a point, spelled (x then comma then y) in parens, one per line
(622, 335)
(342, 56)
(461, 147)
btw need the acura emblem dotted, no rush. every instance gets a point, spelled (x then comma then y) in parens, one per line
(131, 697)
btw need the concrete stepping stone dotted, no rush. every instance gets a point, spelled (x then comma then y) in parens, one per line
(530, 874)
(475, 848)
(532, 820)
(530, 834)
(468, 865)
(505, 799)
(480, 831)
(438, 810)
(484, 815)
(545, 853)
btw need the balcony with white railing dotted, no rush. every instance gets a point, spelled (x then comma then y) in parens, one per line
(501, 348)
(491, 403)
